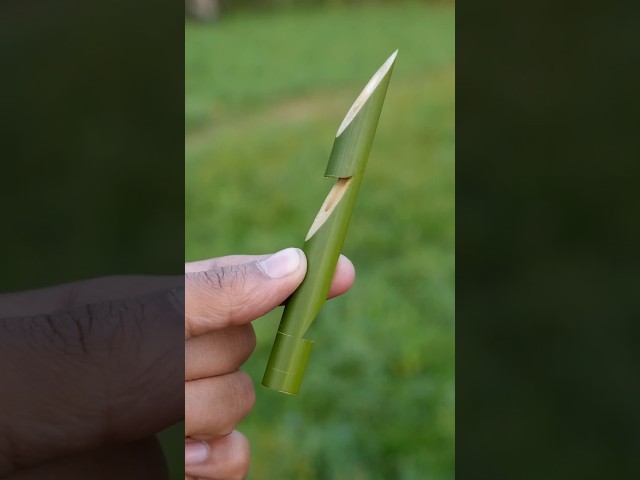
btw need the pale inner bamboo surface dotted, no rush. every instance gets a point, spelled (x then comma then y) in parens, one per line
(330, 203)
(366, 93)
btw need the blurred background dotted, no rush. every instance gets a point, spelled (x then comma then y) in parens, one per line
(266, 87)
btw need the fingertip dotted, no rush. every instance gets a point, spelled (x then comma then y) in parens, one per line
(196, 452)
(345, 261)
(344, 277)
(229, 458)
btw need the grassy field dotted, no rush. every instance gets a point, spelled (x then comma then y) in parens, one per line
(264, 96)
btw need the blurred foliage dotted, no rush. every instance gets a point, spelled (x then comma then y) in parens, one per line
(264, 96)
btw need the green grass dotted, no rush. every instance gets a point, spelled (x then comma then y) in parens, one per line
(265, 94)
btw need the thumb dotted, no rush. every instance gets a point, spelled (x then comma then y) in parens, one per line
(237, 294)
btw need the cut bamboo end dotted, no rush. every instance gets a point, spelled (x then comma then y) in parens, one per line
(366, 93)
(287, 365)
(329, 205)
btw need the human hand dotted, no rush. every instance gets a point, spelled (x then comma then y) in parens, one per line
(90, 372)
(223, 296)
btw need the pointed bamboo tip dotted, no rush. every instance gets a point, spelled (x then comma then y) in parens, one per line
(366, 93)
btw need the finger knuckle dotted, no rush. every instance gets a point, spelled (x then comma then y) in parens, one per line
(247, 394)
(256, 295)
(247, 339)
(223, 425)
(240, 401)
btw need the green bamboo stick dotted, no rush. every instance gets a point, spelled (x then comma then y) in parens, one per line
(290, 352)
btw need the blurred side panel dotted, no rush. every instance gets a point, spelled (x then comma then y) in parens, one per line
(547, 232)
(92, 186)
(92, 139)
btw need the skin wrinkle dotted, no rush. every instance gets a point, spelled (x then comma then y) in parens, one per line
(89, 325)
(213, 277)
(227, 280)
(253, 296)
(112, 338)
(176, 298)
(120, 332)
(231, 277)
(33, 324)
(80, 329)
(239, 279)
(134, 306)
(69, 327)
(53, 329)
